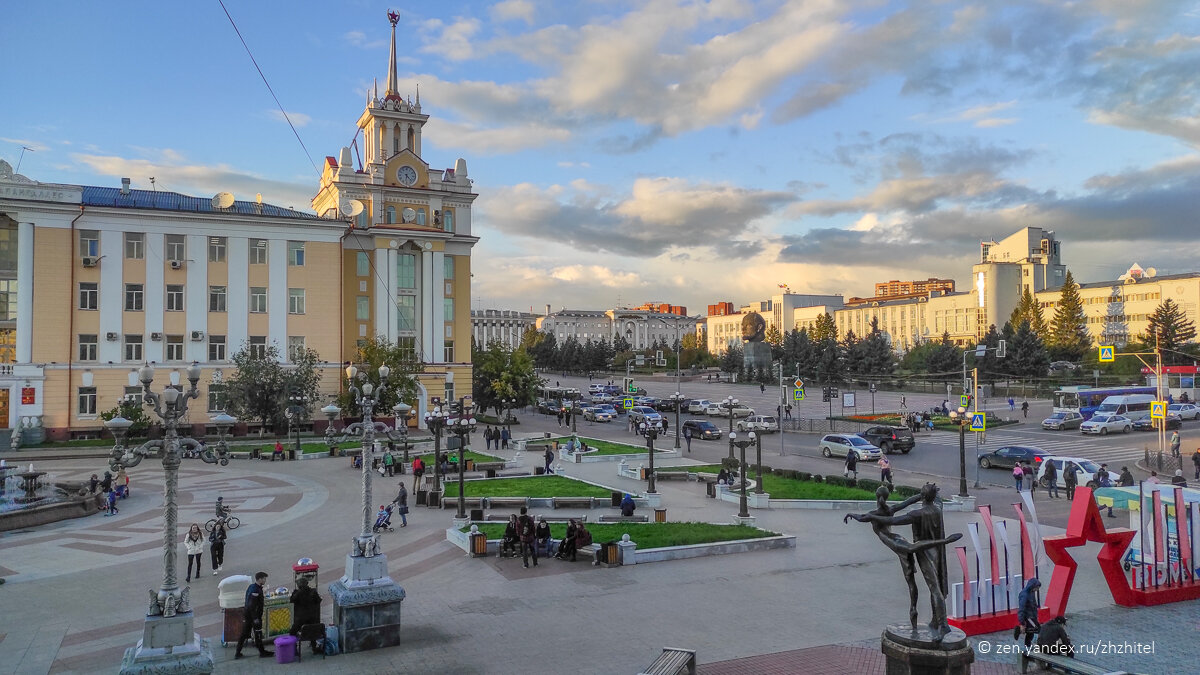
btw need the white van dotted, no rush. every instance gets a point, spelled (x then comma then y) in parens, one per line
(1124, 405)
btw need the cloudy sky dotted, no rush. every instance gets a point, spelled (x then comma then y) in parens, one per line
(687, 152)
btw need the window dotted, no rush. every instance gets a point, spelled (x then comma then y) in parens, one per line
(258, 346)
(391, 215)
(88, 347)
(448, 267)
(361, 219)
(363, 264)
(89, 243)
(216, 398)
(87, 400)
(258, 251)
(449, 391)
(406, 271)
(176, 247)
(448, 221)
(133, 347)
(174, 297)
(408, 345)
(406, 312)
(216, 298)
(295, 346)
(448, 308)
(8, 300)
(216, 249)
(363, 308)
(258, 299)
(133, 297)
(135, 245)
(174, 347)
(295, 301)
(420, 216)
(216, 347)
(89, 295)
(134, 395)
(448, 355)
(296, 254)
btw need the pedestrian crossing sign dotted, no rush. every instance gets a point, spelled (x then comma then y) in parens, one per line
(627, 403)
(964, 400)
(1107, 354)
(978, 421)
(798, 394)
(1158, 410)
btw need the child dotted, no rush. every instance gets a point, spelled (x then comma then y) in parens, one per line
(112, 504)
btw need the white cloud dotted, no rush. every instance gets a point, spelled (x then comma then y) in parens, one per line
(451, 41)
(493, 140)
(513, 9)
(298, 119)
(357, 38)
(35, 146)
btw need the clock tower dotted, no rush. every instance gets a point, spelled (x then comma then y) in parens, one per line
(406, 272)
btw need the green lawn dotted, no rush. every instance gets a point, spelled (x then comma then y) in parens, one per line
(607, 447)
(532, 486)
(788, 488)
(649, 535)
(427, 457)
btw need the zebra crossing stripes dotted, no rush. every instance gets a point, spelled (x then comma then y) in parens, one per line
(1071, 446)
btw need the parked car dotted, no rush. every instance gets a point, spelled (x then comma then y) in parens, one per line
(1057, 366)
(1102, 424)
(759, 423)
(1186, 411)
(1063, 420)
(840, 445)
(719, 410)
(890, 439)
(596, 388)
(641, 413)
(698, 405)
(608, 408)
(1147, 424)
(594, 414)
(600, 397)
(1086, 471)
(547, 407)
(703, 429)
(647, 401)
(1008, 456)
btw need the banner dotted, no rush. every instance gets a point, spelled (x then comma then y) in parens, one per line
(1181, 530)
(1160, 551)
(973, 530)
(986, 512)
(962, 560)
(1028, 564)
(1027, 497)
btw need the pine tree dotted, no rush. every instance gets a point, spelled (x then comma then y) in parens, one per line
(1172, 326)
(1028, 354)
(1069, 339)
(875, 353)
(825, 329)
(798, 353)
(851, 354)
(1029, 310)
(946, 360)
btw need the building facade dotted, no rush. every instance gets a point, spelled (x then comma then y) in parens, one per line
(724, 330)
(500, 325)
(888, 289)
(640, 328)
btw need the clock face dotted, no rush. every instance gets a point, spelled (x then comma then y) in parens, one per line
(408, 215)
(407, 176)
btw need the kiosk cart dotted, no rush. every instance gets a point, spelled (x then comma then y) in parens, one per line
(305, 567)
(277, 611)
(231, 596)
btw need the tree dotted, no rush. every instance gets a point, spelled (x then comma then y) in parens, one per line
(401, 383)
(543, 350)
(500, 373)
(1069, 339)
(132, 410)
(255, 390)
(824, 329)
(875, 356)
(798, 353)
(990, 367)
(303, 379)
(732, 359)
(1171, 325)
(849, 348)
(945, 359)
(1027, 353)
(1029, 310)
(775, 339)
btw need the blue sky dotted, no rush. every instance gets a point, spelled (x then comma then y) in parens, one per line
(687, 152)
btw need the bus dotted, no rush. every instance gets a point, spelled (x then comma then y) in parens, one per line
(1087, 400)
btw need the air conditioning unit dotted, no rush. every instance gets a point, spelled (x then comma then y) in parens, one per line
(112, 337)
(176, 264)
(90, 261)
(157, 337)
(197, 335)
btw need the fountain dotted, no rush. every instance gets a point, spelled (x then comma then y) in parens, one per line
(30, 484)
(40, 500)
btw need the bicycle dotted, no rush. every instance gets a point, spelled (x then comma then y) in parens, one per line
(231, 523)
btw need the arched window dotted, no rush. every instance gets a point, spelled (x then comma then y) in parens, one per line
(448, 221)
(412, 139)
(420, 216)
(391, 214)
(362, 219)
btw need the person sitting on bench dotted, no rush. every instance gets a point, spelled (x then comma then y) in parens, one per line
(566, 548)
(541, 537)
(627, 505)
(511, 530)
(278, 452)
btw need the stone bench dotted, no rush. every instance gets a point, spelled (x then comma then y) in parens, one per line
(706, 477)
(469, 502)
(485, 466)
(673, 662)
(509, 473)
(576, 502)
(507, 502)
(498, 518)
(670, 475)
(610, 518)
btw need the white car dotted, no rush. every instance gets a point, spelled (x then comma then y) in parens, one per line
(1186, 411)
(601, 397)
(759, 423)
(840, 445)
(698, 406)
(1102, 424)
(597, 415)
(719, 410)
(1085, 471)
(641, 413)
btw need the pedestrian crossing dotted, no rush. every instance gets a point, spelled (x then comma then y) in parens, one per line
(1126, 449)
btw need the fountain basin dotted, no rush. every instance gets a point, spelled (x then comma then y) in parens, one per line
(68, 500)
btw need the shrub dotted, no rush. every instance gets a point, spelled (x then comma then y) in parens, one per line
(729, 462)
(836, 480)
(907, 491)
(868, 484)
(803, 475)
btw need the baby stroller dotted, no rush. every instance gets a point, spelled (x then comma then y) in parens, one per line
(384, 520)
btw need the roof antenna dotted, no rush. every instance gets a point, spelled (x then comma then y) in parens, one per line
(152, 184)
(22, 157)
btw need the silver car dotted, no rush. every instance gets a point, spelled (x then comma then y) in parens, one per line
(597, 415)
(1102, 424)
(1186, 411)
(1063, 420)
(840, 445)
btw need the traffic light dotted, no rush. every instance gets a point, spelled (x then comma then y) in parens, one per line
(628, 386)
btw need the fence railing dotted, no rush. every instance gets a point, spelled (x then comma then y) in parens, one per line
(824, 426)
(1159, 461)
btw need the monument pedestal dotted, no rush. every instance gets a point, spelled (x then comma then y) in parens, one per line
(366, 605)
(913, 651)
(756, 356)
(168, 645)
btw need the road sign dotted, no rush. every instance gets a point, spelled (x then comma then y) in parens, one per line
(799, 383)
(1107, 354)
(627, 403)
(964, 400)
(978, 421)
(798, 394)
(1158, 410)
(848, 399)
(873, 388)
(833, 392)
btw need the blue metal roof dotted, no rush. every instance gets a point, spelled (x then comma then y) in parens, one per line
(173, 201)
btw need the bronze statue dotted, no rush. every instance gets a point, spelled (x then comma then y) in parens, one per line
(928, 547)
(754, 328)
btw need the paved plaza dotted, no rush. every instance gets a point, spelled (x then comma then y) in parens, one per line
(73, 601)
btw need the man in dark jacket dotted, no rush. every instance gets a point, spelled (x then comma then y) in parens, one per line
(1070, 479)
(525, 529)
(1027, 612)
(628, 505)
(1053, 638)
(549, 457)
(306, 609)
(252, 614)
(1051, 478)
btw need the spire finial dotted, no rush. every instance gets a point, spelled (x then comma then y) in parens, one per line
(418, 93)
(392, 88)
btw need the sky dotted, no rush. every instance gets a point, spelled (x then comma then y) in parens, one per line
(671, 151)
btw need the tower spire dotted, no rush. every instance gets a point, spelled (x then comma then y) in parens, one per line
(392, 88)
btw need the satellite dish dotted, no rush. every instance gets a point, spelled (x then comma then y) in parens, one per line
(351, 207)
(222, 200)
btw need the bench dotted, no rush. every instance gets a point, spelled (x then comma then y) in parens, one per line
(485, 466)
(469, 502)
(610, 518)
(671, 475)
(513, 472)
(1063, 664)
(706, 477)
(507, 502)
(673, 662)
(576, 502)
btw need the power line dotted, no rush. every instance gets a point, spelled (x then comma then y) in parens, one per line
(264, 79)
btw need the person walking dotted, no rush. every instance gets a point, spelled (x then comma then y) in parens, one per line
(1030, 476)
(401, 502)
(663, 424)
(1051, 478)
(851, 465)
(885, 471)
(787, 411)
(487, 437)
(252, 612)
(1070, 479)
(549, 457)
(418, 469)
(687, 437)
(559, 415)
(112, 503)
(762, 388)
(1012, 405)
(216, 547)
(389, 463)
(1175, 446)
(1104, 480)
(194, 543)
(1126, 479)
(94, 481)
(1025, 409)
(1018, 475)
(1027, 612)
(525, 531)
(1196, 462)
(504, 436)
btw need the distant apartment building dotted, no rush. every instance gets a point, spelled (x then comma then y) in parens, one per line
(662, 308)
(720, 309)
(640, 328)
(500, 325)
(887, 289)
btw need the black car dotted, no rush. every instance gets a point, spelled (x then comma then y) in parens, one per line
(889, 439)
(1146, 424)
(1008, 456)
(703, 429)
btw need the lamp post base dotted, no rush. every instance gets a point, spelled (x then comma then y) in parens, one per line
(743, 520)
(187, 653)
(461, 522)
(366, 605)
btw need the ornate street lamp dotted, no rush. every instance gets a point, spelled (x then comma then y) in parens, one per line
(402, 412)
(169, 641)
(650, 431)
(728, 403)
(435, 421)
(959, 417)
(462, 428)
(297, 405)
(677, 400)
(745, 508)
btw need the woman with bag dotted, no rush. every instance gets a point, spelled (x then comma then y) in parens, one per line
(194, 543)
(402, 502)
